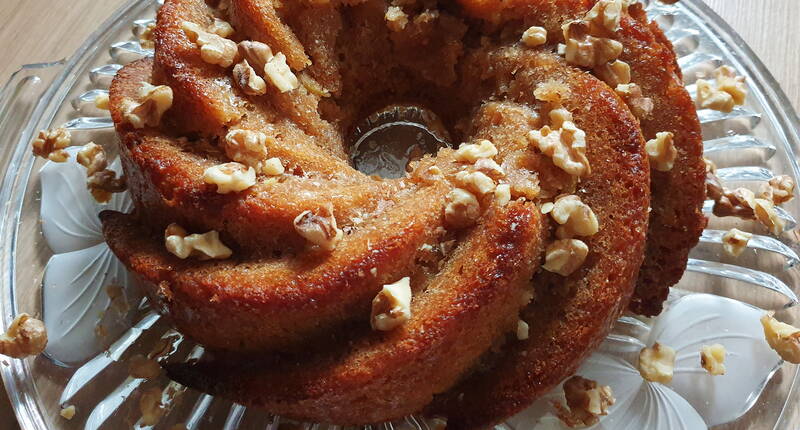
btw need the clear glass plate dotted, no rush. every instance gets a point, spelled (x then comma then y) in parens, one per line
(53, 263)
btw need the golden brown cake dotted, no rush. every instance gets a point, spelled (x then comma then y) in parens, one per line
(539, 220)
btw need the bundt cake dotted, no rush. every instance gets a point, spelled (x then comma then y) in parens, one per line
(467, 287)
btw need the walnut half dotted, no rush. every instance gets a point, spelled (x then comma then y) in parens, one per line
(586, 400)
(319, 230)
(50, 144)
(25, 337)
(783, 338)
(391, 308)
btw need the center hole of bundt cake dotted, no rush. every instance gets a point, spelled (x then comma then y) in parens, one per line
(386, 141)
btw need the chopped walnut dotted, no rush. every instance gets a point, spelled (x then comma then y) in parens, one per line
(534, 36)
(489, 167)
(25, 337)
(396, 19)
(50, 144)
(155, 100)
(206, 246)
(779, 190)
(566, 146)
(476, 182)
(221, 28)
(586, 50)
(712, 358)
(247, 147)
(67, 412)
(248, 80)
(783, 338)
(146, 36)
(734, 242)
(230, 177)
(391, 308)
(101, 101)
(319, 230)
(502, 194)
(729, 82)
(558, 117)
(523, 330)
(214, 49)
(272, 167)
(640, 106)
(614, 74)
(656, 364)
(709, 97)
(662, 152)
(565, 256)
(472, 152)
(586, 401)
(606, 14)
(280, 74)
(256, 53)
(575, 217)
(102, 182)
(142, 367)
(462, 208)
(151, 407)
(437, 423)
(767, 215)
(93, 157)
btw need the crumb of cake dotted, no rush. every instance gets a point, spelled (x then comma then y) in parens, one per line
(657, 363)
(731, 83)
(778, 190)
(151, 407)
(472, 152)
(273, 167)
(101, 101)
(142, 367)
(712, 358)
(767, 215)
(391, 308)
(534, 36)
(462, 208)
(155, 101)
(221, 28)
(565, 146)
(248, 80)
(214, 49)
(396, 19)
(640, 106)
(586, 402)
(117, 297)
(247, 147)
(734, 242)
(206, 246)
(585, 50)
(565, 256)
(230, 177)
(67, 412)
(782, 337)
(50, 144)
(320, 230)
(146, 39)
(551, 91)
(489, 167)
(26, 336)
(280, 74)
(575, 217)
(476, 182)
(523, 330)
(615, 73)
(502, 194)
(662, 152)
(102, 182)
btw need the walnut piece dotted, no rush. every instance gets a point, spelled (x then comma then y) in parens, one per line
(396, 19)
(523, 330)
(280, 74)
(778, 190)
(221, 28)
(230, 177)
(575, 217)
(248, 80)
(614, 73)
(662, 152)
(206, 246)
(729, 82)
(272, 167)
(146, 36)
(502, 194)
(151, 407)
(67, 412)
(101, 101)
(50, 144)
(462, 208)
(606, 15)
(247, 147)
(565, 256)
(640, 106)
(391, 308)
(155, 100)
(25, 336)
(256, 53)
(93, 157)
(320, 230)
(586, 402)
(656, 364)
(566, 146)
(214, 49)
(476, 182)
(712, 358)
(585, 50)
(767, 215)
(489, 167)
(472, 152)
(142, 367)
(102, 182)
(783, 338)
(730, 91)
(534, 36)
(734, 242)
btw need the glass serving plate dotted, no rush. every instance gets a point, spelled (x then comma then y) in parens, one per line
(54, 264)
